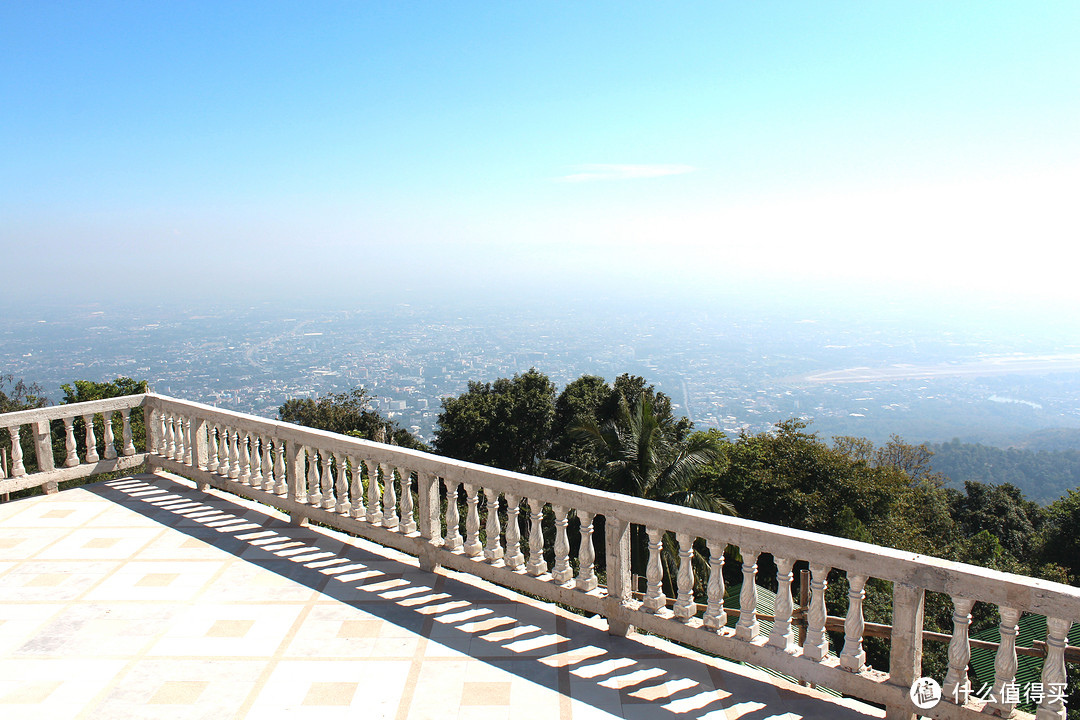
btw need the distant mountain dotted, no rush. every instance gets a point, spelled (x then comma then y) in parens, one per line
(1045, 466)
(1051, 440)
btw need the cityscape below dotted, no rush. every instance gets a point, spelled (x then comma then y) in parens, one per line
(734, 371)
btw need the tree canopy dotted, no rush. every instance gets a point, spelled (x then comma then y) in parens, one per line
(347, 413)
(505, 424)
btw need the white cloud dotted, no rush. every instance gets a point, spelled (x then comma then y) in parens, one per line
(586, 173)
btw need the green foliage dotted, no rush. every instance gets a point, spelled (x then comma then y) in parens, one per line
(16, 395)
(506, 424)
(86, 390)
(1042, 475)
(1060, 539)
(1000, 510)
(637, 457)
(347, 414)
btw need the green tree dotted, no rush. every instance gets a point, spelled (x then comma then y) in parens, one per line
(589, 399)
(506, 424)
(86, 390)
(16, 395)
(638, 458)
(347, 413)
(1000, 510)
(1060, 539)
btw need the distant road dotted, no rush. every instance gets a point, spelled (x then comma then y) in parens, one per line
(1005, 365)
(249, 353)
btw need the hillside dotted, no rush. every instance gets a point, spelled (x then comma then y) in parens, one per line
(1043, 475)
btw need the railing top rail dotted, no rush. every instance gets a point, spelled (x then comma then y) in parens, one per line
(935, 574)
(57, 412)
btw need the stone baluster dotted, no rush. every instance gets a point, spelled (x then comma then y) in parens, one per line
(125, 432)
(329, 501)
(389, 498)
(654, 573)
(189, 438)
(685, 606)
(562, 573)
(212, 449)
(267, 465)
(223, 451)
(453, 541)
(537, 564)
(314, 490)
(816, 646)
(91, 439)
(357, 507)
(1052, 707)
(178, 432)
(1005, 663)
(169, 436)
(72, 458)
(783, 635)
(374, 505)
(493, 549)
(853, 657)
(255, 478)
(473, 546)
(282, 486)
(178, 435)
(234, 453)
(514, 557)
(244, 478)
(18, 468)
(160, 443)
(586, 578)
(748, 625)
(956, 687)
(715, 617)
(107, 436)
(408, 517)
(342, 490)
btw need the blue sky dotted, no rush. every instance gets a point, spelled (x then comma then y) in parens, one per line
(369, 148)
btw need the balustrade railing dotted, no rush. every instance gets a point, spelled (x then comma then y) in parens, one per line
(59, 452)
(542, 537)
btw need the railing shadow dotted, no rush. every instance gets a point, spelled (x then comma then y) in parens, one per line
(573, 656)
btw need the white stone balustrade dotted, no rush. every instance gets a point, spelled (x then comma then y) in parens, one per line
(415, 502)
(37, 426)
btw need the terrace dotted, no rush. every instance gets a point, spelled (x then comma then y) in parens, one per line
(259, 569)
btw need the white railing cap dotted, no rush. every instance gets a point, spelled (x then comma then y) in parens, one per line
(58, 412)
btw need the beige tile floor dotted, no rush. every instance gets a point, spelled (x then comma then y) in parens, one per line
(144, 598)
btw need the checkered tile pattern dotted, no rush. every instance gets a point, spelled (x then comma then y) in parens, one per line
(145, 598)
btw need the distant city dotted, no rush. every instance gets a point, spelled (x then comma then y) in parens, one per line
(731, 371)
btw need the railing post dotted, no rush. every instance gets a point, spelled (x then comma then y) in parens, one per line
(153, 434)
(295, 477)
(199, 449)
(43, 450)
(905, 657)
(617, 550)
(427, 494)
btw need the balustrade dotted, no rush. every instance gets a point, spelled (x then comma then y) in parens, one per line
(715, 614)
(369, 489)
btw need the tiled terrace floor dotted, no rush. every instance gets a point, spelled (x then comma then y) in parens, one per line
(144, 598)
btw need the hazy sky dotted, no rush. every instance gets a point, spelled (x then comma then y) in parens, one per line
(383, 149)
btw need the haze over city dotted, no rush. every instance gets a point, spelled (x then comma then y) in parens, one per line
(753, 181)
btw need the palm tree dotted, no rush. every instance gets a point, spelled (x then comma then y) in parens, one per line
(637, 457)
